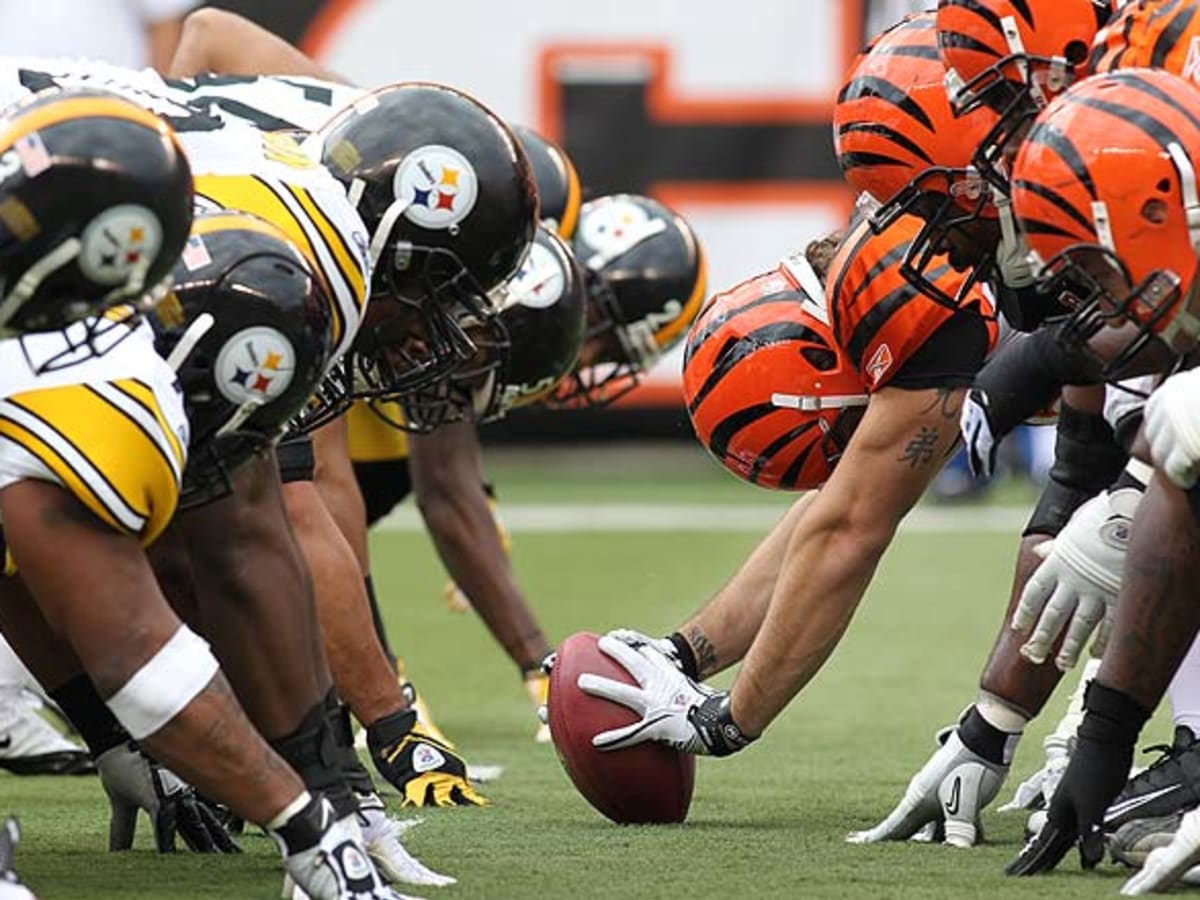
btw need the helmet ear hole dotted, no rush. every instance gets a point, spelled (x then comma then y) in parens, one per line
(1075, 52)
(1163, 186)
(1154, 211)
(821, 359)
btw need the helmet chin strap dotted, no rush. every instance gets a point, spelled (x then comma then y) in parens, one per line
(806, 403)
(28, 284)
(239, 417)
(191, 337)
(801, 269)
(383, 231)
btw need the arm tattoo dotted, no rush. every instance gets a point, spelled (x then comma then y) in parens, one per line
(919, 451)
(706, 653)
(947, 401)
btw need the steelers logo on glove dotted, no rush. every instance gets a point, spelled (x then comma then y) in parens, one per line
(426, 771)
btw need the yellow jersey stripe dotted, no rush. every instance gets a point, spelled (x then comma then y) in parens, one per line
(83, 411)
(74, 481)
(143, 395)
(336, 241)
(133, 418)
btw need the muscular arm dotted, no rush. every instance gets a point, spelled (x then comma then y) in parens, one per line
(897, 450)
(447, 476)
(161, 40)
(721, 632)
(213, 40)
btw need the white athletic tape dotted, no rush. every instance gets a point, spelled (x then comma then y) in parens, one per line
(167, 683)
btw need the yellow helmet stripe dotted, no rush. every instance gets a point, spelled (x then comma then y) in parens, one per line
(22, 122)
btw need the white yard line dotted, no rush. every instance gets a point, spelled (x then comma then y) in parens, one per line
(545, 518)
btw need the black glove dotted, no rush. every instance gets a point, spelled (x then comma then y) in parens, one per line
(1098, 770)
(424, 770)
(133, 781)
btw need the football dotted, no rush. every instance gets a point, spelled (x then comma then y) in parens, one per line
(647, 783)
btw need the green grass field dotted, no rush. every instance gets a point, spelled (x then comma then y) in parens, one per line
(767, 823)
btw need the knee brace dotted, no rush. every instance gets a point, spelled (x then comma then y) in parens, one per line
(170, 680)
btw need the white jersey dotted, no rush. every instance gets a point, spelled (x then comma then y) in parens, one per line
(238, 165)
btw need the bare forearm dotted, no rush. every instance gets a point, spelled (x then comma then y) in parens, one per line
(1157, 615)
(465, 535)
(217, 41)
(819, 588)
(723, 630)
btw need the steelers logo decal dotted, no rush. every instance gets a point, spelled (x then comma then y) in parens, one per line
(438, 184)
(117, 240)
(613, 226)
(540, 281)
(255, 364)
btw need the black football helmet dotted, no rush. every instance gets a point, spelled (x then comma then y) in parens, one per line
(559, 194)
(543, 309)
(449, 198)
(247, 329)
(95, 206)
(646, 277)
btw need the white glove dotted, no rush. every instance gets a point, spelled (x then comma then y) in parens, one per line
(1079, 579)
(674, 709)
(975, 423)
(1166, 865)
(635, 639)
(953, 787)
(1012, 253)
(382, 834)
(1172, 427)
(10, 886)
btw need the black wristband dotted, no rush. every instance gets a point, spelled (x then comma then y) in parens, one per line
(984, 739)
(714, 723)
(303, 830)
(390, 730)
(81, 704)
(1111, 716)
(687, 656)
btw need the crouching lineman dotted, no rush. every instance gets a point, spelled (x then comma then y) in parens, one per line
(93, 450)
(1133, 257)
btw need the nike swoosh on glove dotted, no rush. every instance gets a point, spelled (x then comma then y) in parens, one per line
(950, 791)
(426, 771)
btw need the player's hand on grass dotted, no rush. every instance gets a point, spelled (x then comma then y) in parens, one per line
(674, 709)
(1098, 770)
(943, 801)
(1076, 587)
(133, 782)
(426, 771)
(10, 885)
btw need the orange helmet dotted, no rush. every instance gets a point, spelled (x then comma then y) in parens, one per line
(1013, 56)
(1157, 34)
(770, 395)
(879, 318)
(897, 140)
(1105, 190)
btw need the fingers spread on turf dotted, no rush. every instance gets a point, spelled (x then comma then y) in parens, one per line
(1042, 853)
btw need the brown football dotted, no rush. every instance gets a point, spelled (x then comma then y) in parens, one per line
(646, 783)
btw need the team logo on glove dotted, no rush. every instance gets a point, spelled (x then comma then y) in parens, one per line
(427, 758)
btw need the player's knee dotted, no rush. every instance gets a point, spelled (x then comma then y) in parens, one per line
(165, 684)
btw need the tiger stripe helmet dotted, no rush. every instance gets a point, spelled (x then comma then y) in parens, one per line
(1105, 190)
(1156, 34)
(769, 394)
(1014, 57)
(898, 141)
(879, 318)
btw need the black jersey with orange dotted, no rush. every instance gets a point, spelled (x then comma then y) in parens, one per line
(883, 323)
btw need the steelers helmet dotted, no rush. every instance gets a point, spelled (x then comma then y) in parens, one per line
(559, 194)
(543, 309)
(95, 205)
(248, 331)
(645, 280)
(449, 199)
